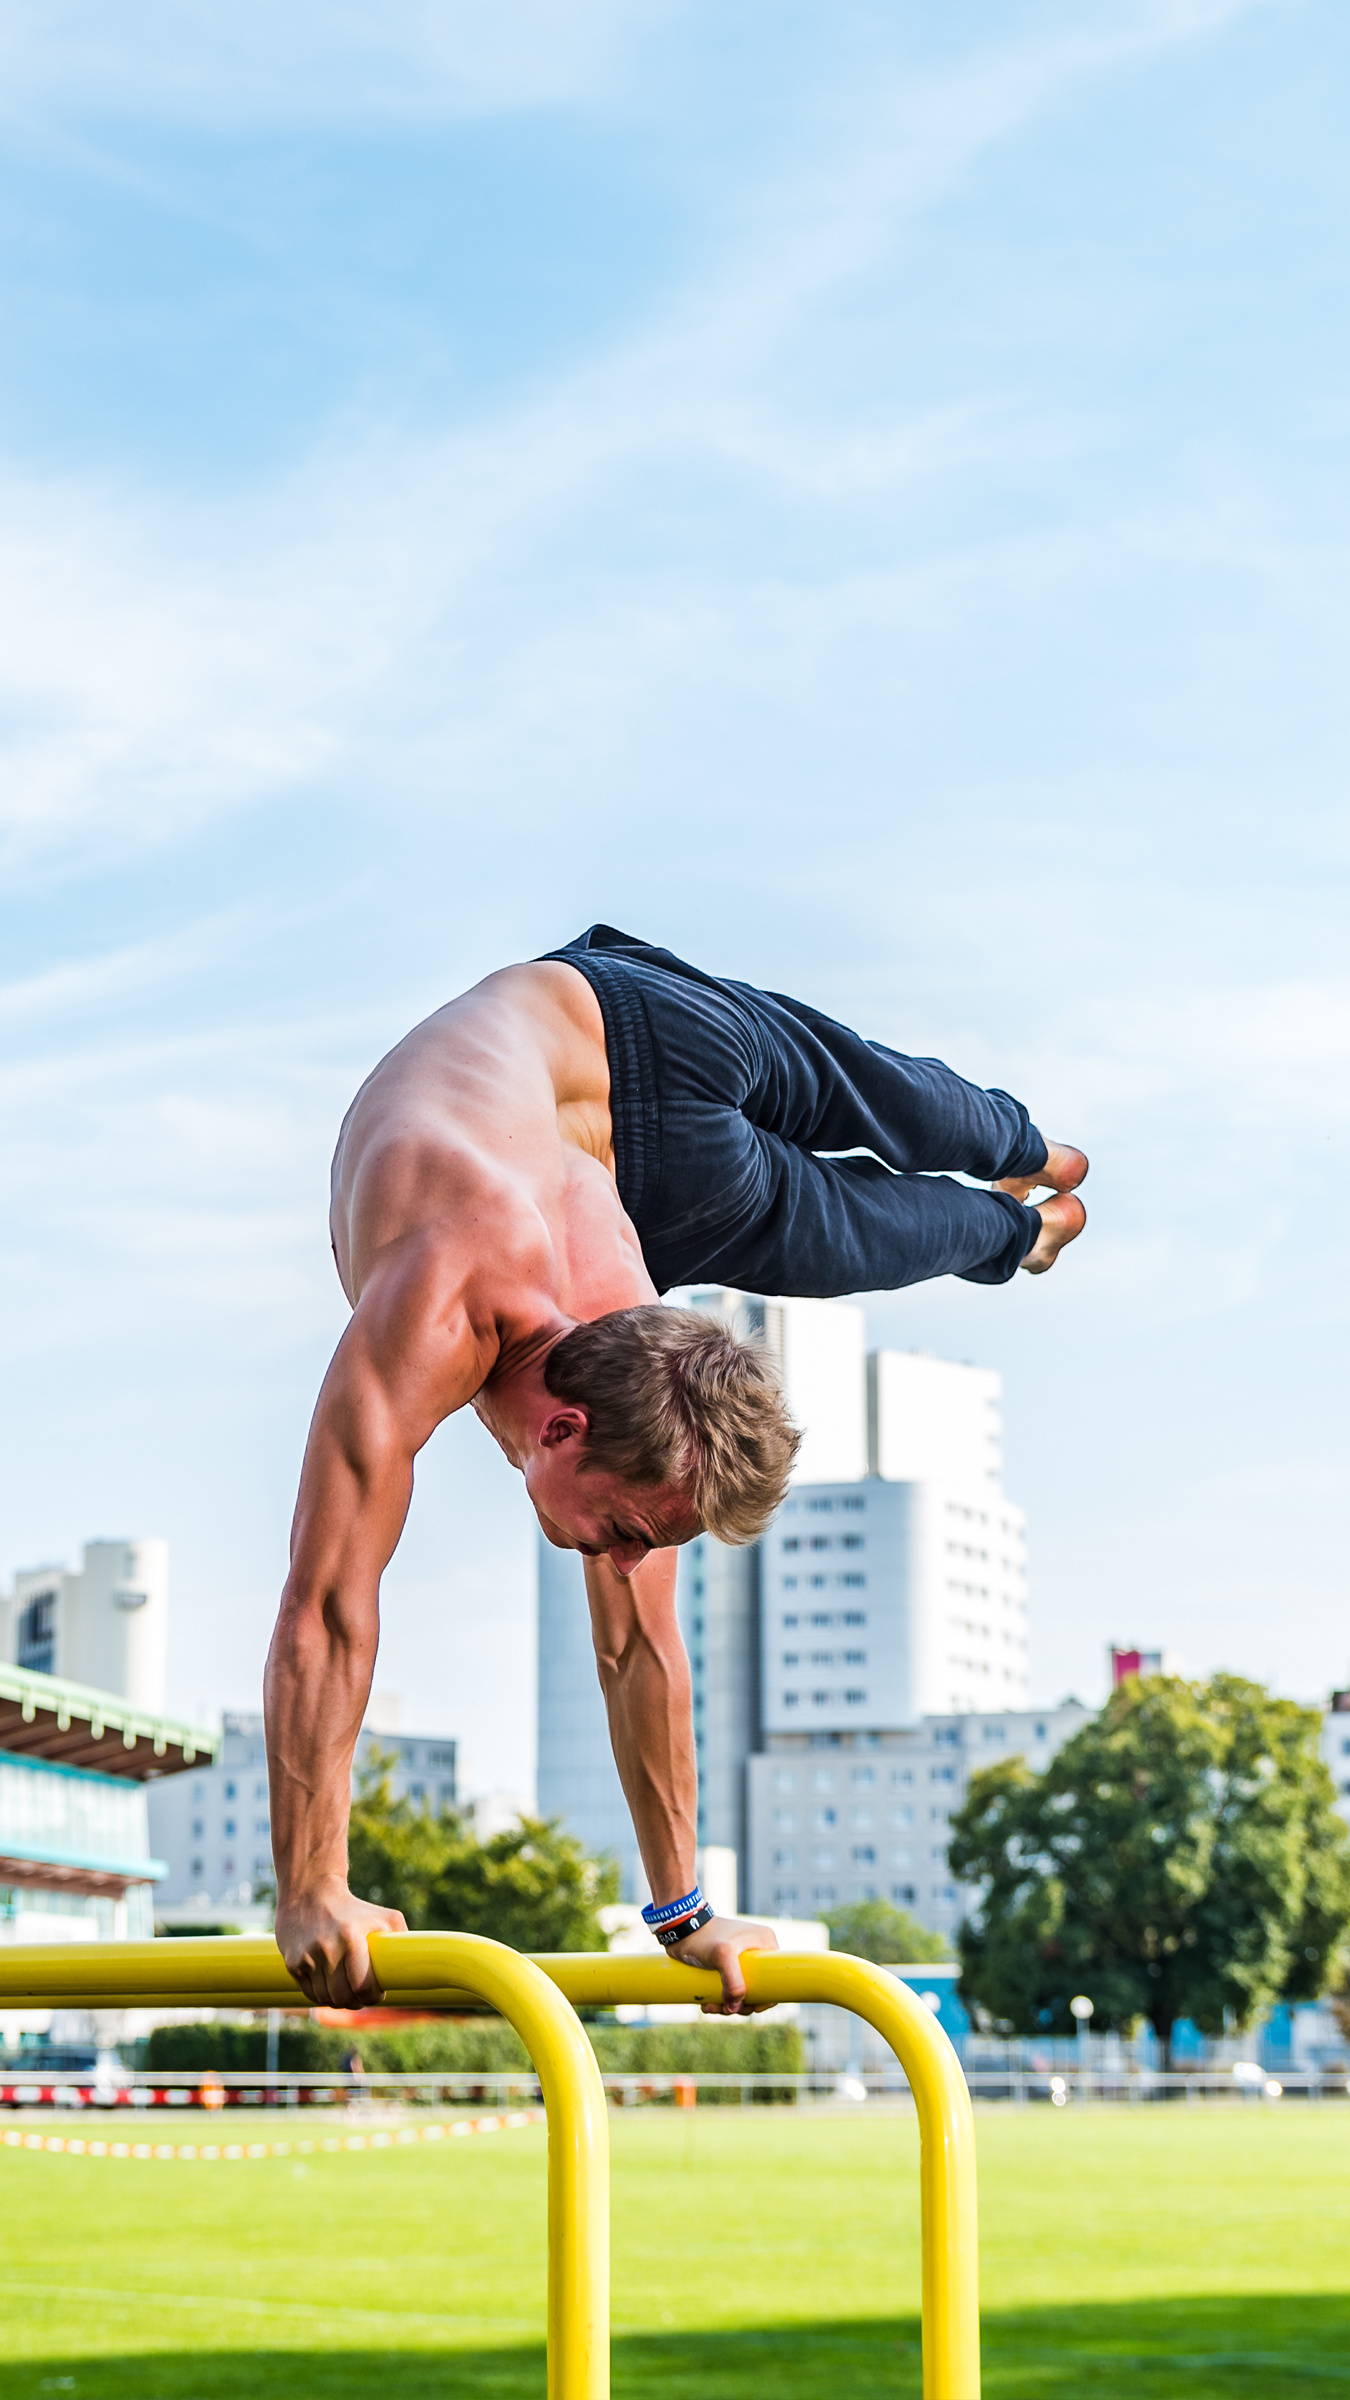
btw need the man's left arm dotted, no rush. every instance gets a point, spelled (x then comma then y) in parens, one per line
(644, 1675)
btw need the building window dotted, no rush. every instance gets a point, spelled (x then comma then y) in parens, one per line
(261, 1826)
(864, 1855)
(854, 1699)
(197, 1870)
(820, 1699)
(822, 1779)
(850, 1541)
(902, 1775)
(785, 1858)
(903, 1893)
(854, 1583)
(854, 1616)
(230, 1791)
(789, 1621)
(822, 1860)
(902, 1816)
(786, 1896)
(825, 1816)
(824, 1895)
(855, 1658)
(790, 1699)
(861, 1775)
(792, 1542)
(785, 1819)
(228, 1829)
(37, 1634)
(784, 1780)
(262, 1866)
(198, 1829)
(229, 1866)
(902, 1858)
(791, 1658)
(942, 1774)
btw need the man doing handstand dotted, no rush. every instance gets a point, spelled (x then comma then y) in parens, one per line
(513, 1187)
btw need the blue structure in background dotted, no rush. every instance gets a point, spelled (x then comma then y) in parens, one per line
(937, 1986)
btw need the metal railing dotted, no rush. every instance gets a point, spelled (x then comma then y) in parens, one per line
(449, 1970)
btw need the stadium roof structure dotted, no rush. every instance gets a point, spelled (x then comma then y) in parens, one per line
(67, 1724)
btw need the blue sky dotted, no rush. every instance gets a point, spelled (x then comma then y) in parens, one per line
(857, 495)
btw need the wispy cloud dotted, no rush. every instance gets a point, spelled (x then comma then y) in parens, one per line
(164, 663)
(313, 61)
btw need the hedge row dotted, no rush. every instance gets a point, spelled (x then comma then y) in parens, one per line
(479, 2046)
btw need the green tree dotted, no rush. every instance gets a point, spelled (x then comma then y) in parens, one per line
(395, 1850)
(533, 1886)
(890, 1936)
(1180, 1857)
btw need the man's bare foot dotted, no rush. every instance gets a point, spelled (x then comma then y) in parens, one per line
(1063, 1171)
(1062, 1220)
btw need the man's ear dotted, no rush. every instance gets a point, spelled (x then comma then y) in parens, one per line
(564, 1425)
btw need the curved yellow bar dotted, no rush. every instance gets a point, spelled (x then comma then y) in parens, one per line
(446, 1970)
(220, 1972)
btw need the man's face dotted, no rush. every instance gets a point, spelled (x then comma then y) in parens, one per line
(581, 1509)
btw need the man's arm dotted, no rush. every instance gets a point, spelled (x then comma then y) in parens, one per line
(405, 1361)
(644, 1675)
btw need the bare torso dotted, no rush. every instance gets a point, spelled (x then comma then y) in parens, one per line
(485, 1137)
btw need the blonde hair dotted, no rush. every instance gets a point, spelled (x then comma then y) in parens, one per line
(674, 1398)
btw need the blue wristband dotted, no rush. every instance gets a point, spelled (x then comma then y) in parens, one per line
(670, 1909)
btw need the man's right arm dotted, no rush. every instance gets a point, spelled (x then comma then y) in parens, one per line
(404, 1363)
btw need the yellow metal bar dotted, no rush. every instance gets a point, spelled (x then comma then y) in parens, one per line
(220, 1972)
(445, 1970)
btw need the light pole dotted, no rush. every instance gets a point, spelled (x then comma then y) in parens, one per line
(1080, 2009)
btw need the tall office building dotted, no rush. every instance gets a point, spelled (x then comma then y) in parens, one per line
(890, 1589)
(818, 1347)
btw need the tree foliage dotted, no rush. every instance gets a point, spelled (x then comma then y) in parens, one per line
(889, 1936)
(533, 1886)
(1180, 1857)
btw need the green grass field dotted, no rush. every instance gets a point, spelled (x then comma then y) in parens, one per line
(1153, 2253)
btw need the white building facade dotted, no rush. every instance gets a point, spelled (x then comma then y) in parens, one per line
(103, 1624)
(867, 1815)
(213, 1831)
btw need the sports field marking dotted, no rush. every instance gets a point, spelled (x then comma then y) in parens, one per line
(75, 2145)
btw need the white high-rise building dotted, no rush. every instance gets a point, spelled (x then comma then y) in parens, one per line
(887, 1602)
(104, 1625)
(890, 1589)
